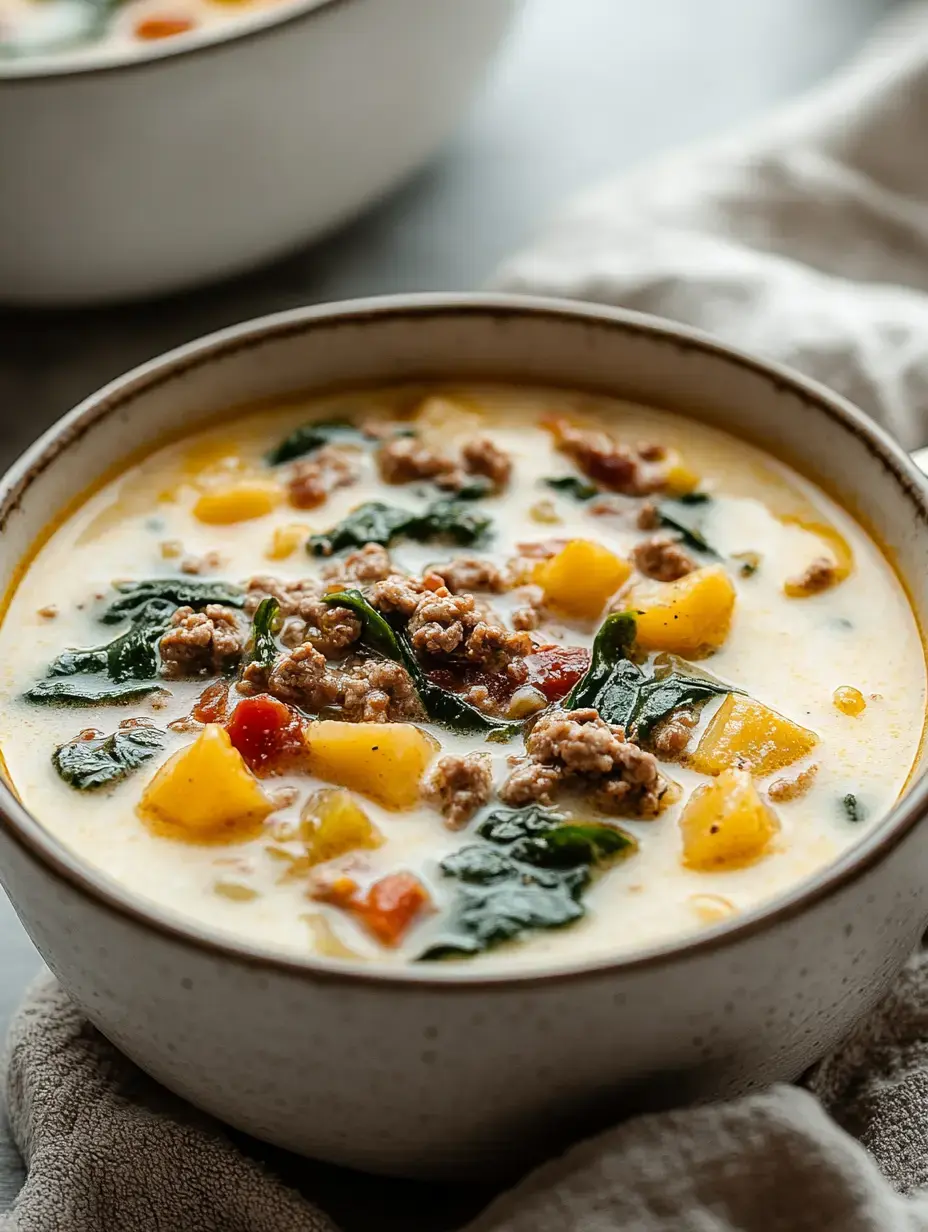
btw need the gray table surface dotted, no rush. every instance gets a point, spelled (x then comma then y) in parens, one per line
(583, 88)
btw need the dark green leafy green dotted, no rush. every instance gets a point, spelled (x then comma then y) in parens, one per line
(131, 656)
(375, 522)
(573, 485)
(530, 873)
(312, 436)
(475, 489)
(72, 692)
(181, 592)
(441, 705)
(853, 809)
(262, 646)
(628, 696)
(89, 764)
(686, 516)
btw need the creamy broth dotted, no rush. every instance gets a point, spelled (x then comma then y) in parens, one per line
(78, 27)
(764, 525)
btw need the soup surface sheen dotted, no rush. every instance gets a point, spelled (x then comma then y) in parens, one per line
(793, 708)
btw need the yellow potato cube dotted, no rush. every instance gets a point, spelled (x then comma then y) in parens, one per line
(726, 824)
(333, 823)
(442, 421)
(382, 760)
(581, 577)
(678, 478)
(239, 501)
(687, 617)
(286, 540)
(205, 788)
(744, 732)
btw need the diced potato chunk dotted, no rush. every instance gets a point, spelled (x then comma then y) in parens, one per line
(286, 540)
(383, 760)
(744, 732)
(687, 617)
(581, 577)
(238, 501)
(679, 478)
(726, 824)
(442, 421)
(333, 823)
(206, 787)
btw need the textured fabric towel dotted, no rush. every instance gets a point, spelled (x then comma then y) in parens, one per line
(805, 239)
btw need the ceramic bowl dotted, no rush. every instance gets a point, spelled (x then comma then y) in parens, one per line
(130, 174)
(447, 1070)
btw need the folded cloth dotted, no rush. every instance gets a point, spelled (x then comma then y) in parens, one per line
(805, 239)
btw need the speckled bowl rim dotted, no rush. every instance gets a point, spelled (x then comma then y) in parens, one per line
(44, 847)
(58, 66)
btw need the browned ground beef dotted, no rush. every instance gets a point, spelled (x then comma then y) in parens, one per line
(307, 617)
(821, 574)
(526, 618)
(670, 738)
(201, 643)
(459, 786)
(481, 456)
(662, 557)
(312, 479)
(469, 573)
(633, 471)
(444, 624)
(369, 564)
(195, 565)
(396, 594)
(361, 690)
(648, 517)
(782, 790)
(578, 747)
(405, 459)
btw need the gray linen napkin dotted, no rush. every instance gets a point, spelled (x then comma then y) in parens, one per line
(805, 239)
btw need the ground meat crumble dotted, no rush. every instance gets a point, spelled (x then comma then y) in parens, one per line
(312, 479)
(632, 470)
(469, 573)
(819, 575)
(578, 747)
(405, 459)
(201, 643)
(459, 786)
(306, 615)
(662, 557)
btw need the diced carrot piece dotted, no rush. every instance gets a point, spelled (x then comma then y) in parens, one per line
(391, 905)
(162, 27)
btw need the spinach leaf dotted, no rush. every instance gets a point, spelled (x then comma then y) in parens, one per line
(853, 809)
(573, 485)
(475, 489)
(88, 764)
(263, 645)
(131, 656)
(611, 682)
(312, 436)
(441, 705)
(70, 692)
(626, 695)
(530, 874)
(181, 592)
(375, 522)
(686, 515)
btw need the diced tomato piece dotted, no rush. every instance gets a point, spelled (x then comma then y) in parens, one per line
(391, 905)
(499, 685)
(265, 732)
(162, 27)
(554, 670)
(213, 703)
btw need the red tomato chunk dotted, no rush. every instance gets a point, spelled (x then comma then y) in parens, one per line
(212, 705)
(554, 670)
(265, 731)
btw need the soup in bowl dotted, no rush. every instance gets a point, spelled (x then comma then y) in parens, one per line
(540, 674)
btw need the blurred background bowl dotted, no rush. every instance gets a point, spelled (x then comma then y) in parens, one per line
(129, 175)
